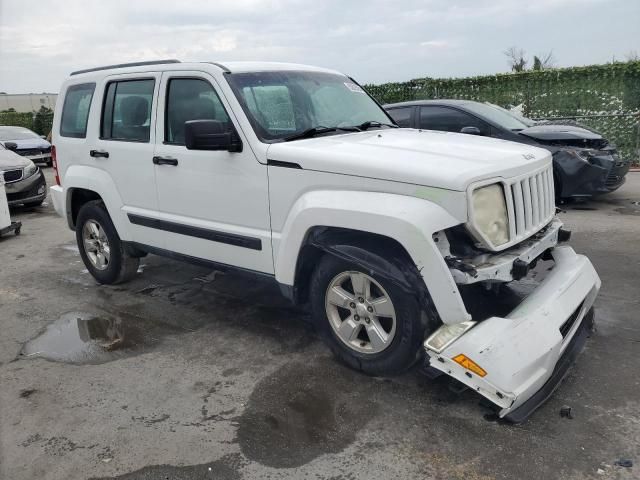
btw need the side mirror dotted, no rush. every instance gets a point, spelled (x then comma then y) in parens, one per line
(471, 131)
(11, 146)
(210, 135)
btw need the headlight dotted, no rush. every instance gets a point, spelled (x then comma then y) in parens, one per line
(30, 169)
(585, 154)
(490, 213)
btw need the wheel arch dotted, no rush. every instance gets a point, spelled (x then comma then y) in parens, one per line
(76, 198)
(352, 245)
(342, 222)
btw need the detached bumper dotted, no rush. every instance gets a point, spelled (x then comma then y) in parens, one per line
(57, 197)
(526, 354)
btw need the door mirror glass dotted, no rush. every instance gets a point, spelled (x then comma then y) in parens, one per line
(210, 135)
(471, 130)
(11, 146)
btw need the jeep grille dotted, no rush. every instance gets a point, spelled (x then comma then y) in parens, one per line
(530, 203)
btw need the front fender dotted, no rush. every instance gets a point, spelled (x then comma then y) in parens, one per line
(98, 181)
(410, 221)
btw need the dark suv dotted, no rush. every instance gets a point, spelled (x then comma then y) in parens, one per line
(28, 143)
(584, 163)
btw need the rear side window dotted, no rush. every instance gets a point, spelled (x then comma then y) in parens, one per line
(402, 116)
(75, 111)
(449, 120)
(190, 99)
(126, 113)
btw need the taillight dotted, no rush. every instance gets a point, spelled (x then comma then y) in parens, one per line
(54, 164)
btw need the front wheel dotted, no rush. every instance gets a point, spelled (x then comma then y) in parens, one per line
(369, 322)
(100, 247)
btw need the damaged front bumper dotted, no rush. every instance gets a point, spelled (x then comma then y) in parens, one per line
(512, 264)
(603, 173)
(523, 356)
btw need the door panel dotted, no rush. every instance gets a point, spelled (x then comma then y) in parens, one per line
(211, 204)
(125, 146)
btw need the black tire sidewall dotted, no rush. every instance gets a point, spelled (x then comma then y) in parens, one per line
(406, 344)
(96, 211)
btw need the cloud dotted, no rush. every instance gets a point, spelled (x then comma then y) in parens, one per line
(373, 40)
(435, 44)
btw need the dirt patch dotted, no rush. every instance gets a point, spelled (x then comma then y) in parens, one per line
(296, 414)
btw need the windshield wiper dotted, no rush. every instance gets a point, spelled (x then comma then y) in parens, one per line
(374, 123)
(313, 131)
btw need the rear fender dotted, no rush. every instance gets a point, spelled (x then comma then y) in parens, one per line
(98, 181)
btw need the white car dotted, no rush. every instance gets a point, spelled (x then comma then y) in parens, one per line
(296, 174)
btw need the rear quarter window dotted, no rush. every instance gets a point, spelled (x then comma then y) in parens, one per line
(402, 116)
(75, 111)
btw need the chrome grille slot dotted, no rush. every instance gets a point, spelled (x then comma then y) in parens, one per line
(532, 203)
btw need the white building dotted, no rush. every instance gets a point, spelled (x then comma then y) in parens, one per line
(28, 102)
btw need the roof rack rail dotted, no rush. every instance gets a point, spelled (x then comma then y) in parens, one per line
(125, 65)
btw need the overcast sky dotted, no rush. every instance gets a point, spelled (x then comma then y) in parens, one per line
(41, 41)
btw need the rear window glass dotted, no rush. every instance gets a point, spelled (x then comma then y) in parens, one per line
(75, 111)
(127, 110)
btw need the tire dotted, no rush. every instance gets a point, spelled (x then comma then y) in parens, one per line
(120, 266)
(404, 346)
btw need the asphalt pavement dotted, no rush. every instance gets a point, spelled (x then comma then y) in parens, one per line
(195, 374)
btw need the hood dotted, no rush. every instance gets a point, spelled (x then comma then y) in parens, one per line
(421, 157)
(29, 143)
(567, 135)
(10, 160)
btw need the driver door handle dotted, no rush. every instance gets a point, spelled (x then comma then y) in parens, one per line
(99, 153)
(165, 161)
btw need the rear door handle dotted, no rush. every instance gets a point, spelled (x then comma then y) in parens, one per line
(165, 161)
(99, 153)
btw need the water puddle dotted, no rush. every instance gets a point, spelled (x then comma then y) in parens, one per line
(226, 468)
(633, 208)
(85, 338)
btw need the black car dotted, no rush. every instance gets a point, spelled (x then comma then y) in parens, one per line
(28, 143)
(584, 163)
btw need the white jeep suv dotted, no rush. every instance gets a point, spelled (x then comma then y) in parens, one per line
(296, 174)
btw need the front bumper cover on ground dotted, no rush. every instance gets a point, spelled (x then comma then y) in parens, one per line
(521, 351)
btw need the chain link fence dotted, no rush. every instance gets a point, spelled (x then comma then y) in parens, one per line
(605, 98)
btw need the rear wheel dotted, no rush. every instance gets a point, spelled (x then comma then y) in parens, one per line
(369, 322)
(100, 246)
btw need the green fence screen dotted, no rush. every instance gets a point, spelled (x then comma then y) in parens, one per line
(603, 97)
